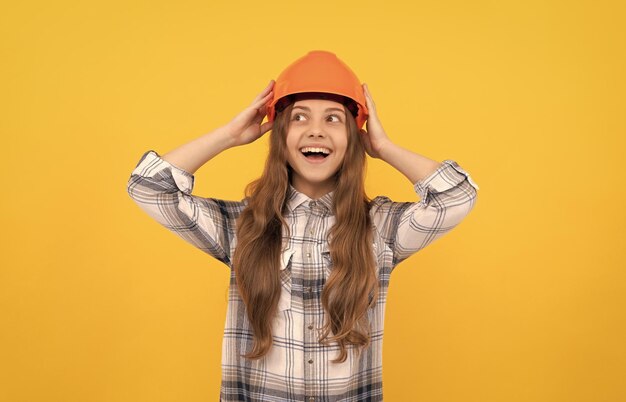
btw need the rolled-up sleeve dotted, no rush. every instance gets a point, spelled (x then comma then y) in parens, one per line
(163, 191)
(446, 197)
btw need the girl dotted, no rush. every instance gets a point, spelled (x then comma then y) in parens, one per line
(310, 254)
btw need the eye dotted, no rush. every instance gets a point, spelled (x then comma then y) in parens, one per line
(330, 115)
(338, 118)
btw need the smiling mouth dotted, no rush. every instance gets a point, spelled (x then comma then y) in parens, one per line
(315, 154)
(315, 158)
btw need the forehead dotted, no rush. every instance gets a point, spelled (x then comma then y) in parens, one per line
(318, 103)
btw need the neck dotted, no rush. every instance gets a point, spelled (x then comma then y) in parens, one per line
(313, 191)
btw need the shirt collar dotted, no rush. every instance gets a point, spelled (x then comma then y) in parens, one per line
(296, 198)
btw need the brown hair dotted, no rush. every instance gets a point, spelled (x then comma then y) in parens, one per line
(352, 286)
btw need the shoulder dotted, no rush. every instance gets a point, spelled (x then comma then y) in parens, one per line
(384, 201)
(382, 207)
(227, 208)
(379, 204)
(379, 200)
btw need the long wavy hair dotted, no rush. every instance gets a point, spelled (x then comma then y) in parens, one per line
(352, 286)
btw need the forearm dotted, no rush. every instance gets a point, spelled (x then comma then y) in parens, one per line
(414, 166)
(192, 155)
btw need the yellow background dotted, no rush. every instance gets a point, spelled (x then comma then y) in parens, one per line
(524, 301)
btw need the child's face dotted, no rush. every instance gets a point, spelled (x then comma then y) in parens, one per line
(322, 125)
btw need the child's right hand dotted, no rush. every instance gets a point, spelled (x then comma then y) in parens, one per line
(245, 127)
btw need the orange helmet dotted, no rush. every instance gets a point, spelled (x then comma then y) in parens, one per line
(319, 72)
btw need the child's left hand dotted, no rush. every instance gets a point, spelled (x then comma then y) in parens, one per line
(374, 138)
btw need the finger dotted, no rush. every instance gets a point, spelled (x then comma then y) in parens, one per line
(260, 114)
(259, 102)
(265, 127)
(264, 92)
(368, 94)
(368, 98)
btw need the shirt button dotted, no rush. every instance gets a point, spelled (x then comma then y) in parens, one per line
(310, 326)
(307, 289)
(312, 203)
(311, 232)
(311, 399)
(310, 361)
(308, 255)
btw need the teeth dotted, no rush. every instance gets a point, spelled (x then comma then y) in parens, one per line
(312, 149)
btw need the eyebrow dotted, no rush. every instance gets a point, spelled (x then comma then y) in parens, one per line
(330, 108)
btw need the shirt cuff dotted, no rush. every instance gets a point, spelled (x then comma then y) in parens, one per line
(447, 176)
(151, 164)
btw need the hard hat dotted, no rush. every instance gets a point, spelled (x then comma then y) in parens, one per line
(319, 72)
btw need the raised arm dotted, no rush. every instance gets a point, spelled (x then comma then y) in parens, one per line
(447, 196)
(447, 193)
(245, 128)
(162, 185)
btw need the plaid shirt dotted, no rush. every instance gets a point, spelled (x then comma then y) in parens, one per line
(298, 367)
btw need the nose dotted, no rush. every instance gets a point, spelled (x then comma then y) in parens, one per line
(316, 130)
(316, 133)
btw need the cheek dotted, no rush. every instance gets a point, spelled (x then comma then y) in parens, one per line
(291, 141)
(343, 148)
(289, 144)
